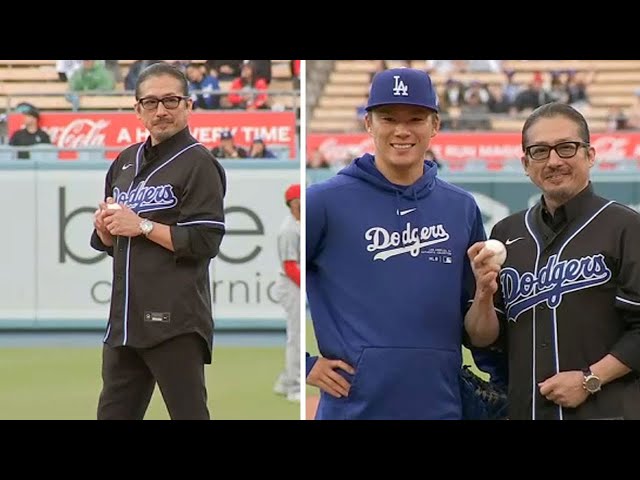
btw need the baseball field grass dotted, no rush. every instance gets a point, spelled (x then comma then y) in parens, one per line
(64, 383)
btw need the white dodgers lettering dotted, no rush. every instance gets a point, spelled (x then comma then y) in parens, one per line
(410, 240)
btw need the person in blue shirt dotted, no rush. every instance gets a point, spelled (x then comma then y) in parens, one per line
(388, 278)
(259, 149)
(203, 87)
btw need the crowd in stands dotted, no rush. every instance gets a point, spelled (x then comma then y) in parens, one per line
(228, 149)
(473, 94)
(213, 84)
(468, 105)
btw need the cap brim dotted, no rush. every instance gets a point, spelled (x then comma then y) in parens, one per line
(376, 105)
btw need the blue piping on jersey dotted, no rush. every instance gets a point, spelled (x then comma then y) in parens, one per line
(533, 322)
(555, 323)
(624, 300)
(199, 222)
(128, 239)
(554, 310)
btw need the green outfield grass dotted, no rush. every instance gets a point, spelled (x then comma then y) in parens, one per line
(312, 348)
(64, 384)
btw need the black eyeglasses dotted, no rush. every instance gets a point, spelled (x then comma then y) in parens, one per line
(564, 150)
(171, 102)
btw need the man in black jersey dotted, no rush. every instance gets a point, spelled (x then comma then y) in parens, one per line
(169, 226)
(567, 307)
(31, 133)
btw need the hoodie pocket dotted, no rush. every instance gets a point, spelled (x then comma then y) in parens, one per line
(405, 384)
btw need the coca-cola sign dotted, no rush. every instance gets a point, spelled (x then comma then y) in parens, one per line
(117, 130)
(452, 146)
(80, 132)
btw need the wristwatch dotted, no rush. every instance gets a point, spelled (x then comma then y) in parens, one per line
(591, 382)
(146, 226)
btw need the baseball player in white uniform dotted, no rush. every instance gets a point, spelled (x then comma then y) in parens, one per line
(287, 291)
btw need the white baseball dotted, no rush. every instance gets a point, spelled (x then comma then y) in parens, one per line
(498, 249)
(113, 206)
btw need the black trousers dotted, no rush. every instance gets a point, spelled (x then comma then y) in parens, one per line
(129, 376)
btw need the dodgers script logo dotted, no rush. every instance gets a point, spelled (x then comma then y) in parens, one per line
(145, 198)
(556, 278)
(410, 240)
(400, 89)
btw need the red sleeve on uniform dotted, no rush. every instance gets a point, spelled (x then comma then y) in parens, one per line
(292, 269)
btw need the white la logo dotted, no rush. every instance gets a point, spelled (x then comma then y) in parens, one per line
(400, 88)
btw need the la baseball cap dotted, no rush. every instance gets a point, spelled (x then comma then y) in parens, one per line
(407, 86)
(292, 192)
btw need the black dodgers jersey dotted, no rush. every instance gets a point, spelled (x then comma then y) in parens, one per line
(565, 299)
(158, 294)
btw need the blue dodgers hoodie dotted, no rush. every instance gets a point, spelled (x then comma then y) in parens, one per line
(387, 269)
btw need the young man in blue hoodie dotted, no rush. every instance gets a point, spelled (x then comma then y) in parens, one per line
(388, 275)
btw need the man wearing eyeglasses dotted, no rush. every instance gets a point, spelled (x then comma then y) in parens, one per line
(162, 222)
(567, 306)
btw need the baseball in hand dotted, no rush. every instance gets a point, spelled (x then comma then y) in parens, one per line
(113, 206)
(498, 249)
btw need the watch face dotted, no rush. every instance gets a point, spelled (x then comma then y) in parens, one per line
(146, 226)
(592, 384)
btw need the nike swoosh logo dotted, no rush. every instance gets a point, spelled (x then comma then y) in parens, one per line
(404, 212)
(509, 241)
(127, 166)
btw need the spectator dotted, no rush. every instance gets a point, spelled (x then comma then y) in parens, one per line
(66, 68)
(452, 99)
(294, 66)
(577, 83)
(134, 71)
(228, 148)
(431, 155)
(225, 70)
(31, 133)
(179, 64)
(248, 91)
(261, 68)
(92, 76)
(207, 86)
(474, 114)
(259, 149)
(617, 120)
(114, 67)
(559, 90)
(533, 96)
(511, 89)
(498, 102)
(318, 160)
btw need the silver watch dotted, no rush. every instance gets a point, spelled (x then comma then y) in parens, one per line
(146, 226)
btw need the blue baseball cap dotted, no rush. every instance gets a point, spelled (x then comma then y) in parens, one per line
(407, 86)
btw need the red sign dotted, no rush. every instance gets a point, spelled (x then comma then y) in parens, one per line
(452, 146)
(118, 130)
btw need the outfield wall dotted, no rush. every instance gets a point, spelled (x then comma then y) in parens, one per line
(500, 194)
(50, 277)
